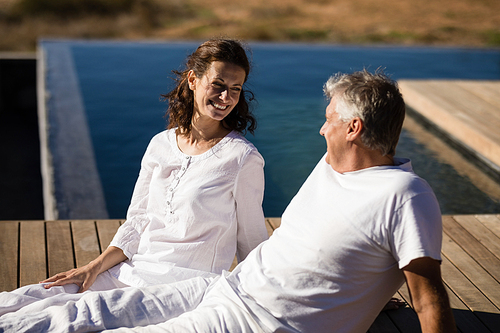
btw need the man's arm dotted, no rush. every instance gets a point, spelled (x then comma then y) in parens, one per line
(428, 295)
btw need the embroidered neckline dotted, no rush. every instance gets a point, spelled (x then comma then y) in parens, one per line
(218, 146)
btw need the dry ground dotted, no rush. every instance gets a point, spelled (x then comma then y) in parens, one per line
(474, 23)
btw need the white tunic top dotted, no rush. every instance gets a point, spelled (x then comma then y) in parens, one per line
(336, 259)
(191, 214)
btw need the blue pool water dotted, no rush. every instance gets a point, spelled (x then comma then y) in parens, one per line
(121, 85)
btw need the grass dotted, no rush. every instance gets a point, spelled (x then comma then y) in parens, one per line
(451, 22)
(491, 37)
(70, 7)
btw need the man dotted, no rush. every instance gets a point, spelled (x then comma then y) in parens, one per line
(361, 225)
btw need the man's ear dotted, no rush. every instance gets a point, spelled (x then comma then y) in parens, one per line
(354, 129)
(191, 77)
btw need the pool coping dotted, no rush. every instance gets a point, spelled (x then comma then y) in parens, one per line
(72, 187)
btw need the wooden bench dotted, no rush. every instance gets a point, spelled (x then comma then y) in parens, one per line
(34, 250)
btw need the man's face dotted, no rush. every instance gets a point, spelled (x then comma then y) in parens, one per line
(334, 130)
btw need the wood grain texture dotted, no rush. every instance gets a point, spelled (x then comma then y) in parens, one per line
(32, 254)
(468, 111)
(470, 265)
(9, 249)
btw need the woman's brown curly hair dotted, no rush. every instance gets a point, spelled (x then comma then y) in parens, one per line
(181, 98)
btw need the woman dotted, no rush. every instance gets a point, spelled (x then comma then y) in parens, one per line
(198, 197)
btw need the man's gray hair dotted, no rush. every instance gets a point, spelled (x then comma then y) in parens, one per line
(373, 98)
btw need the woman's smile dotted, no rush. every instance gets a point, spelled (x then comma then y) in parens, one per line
(218, 106)
(218, 91)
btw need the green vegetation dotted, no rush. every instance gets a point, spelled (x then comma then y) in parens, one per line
(492, 38)
(306, 34)
(23, 22)
(71, 7)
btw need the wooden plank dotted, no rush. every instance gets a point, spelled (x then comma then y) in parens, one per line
(470, 295)
(466, 98)
(106, 230)
(405, 294)
(405, 320)
(472, 246)
(461, 103)
(383, 324)
(487, 260)
(480, 232)
(467, 168)
(424, 99)
(454, 277)
(468, 322)
(471, 265)
(275, 222)
(85, 241)
(489, 91)
(491, 320)
(59, 247)
(465, 319)
(234, 264)
(472, 272)
(492, 222)
(466, 253)
(9, 245)
(435, 102)
(32, 259)
(269, 228)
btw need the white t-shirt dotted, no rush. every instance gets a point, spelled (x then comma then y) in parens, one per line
(191, 214)
(336, 259)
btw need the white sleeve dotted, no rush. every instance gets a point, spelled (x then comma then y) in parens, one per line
(128, 235)
(418, 232)
(249, 193)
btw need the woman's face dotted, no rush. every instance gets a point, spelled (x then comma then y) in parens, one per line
(218, 91)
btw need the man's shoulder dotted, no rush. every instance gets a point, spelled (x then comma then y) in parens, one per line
(401, 175)
(397, 184)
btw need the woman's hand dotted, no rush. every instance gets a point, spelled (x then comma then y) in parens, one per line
(84, 277)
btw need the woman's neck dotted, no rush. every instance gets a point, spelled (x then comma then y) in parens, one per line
(201, 138)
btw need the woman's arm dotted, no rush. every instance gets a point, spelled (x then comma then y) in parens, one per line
(125, 242)
(86, 275)
(128, 235)
(249, 193)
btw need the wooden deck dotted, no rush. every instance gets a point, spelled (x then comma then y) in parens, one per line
(468, 112)
(34, 250)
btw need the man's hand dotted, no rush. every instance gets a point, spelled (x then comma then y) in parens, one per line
(428, 295)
